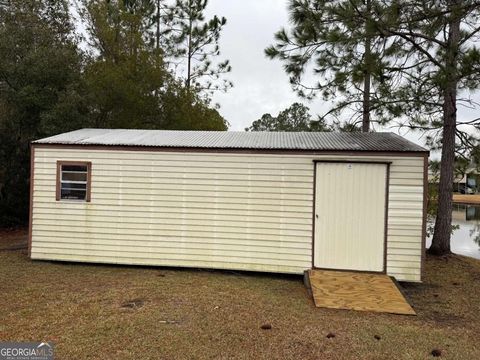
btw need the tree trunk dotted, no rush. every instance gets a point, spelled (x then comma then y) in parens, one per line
(158, 26)
(443, 222)
(367, 72)
(366, 102)
(189, 54)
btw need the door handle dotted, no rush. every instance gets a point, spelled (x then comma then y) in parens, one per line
(316, 215)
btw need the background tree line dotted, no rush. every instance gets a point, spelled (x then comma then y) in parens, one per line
(139, 64)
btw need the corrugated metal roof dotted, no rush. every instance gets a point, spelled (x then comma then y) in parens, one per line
(317, 141)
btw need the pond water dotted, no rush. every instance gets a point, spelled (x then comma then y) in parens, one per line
(466, 239)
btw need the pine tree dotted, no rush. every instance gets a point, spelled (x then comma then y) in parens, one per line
(442, 66)
(194, 42)
(125, 73)
(348, 56)
(127, 80)
(155, 17)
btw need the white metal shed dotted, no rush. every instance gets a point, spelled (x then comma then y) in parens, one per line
(265, 201)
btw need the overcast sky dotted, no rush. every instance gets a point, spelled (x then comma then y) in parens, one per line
(260, 84)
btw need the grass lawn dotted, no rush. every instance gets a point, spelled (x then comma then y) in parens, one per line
(106, 312)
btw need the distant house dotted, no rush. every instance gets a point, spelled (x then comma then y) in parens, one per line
(468, 183)
(275, 202)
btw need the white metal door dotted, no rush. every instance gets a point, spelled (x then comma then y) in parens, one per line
(350, 203)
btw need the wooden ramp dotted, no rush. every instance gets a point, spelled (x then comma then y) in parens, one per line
(357, 291)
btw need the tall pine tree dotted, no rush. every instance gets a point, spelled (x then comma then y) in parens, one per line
(349, 58)
(442, 66)
(128, 82)
(194, 44)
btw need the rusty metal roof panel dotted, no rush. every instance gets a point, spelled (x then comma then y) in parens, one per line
(308, 141)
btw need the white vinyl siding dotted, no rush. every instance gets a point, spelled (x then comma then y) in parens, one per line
(213, 210)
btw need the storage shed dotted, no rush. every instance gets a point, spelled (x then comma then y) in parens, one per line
(259, 201)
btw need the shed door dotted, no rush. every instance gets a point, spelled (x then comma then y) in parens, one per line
(350, 210)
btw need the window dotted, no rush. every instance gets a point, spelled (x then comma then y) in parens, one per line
(471, 182)
(73, 180)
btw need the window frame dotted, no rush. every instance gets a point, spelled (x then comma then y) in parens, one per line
(58, 192)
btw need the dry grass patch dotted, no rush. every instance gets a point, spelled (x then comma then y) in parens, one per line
(98, 311)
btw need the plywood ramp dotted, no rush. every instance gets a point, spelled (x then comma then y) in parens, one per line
(357, 291)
